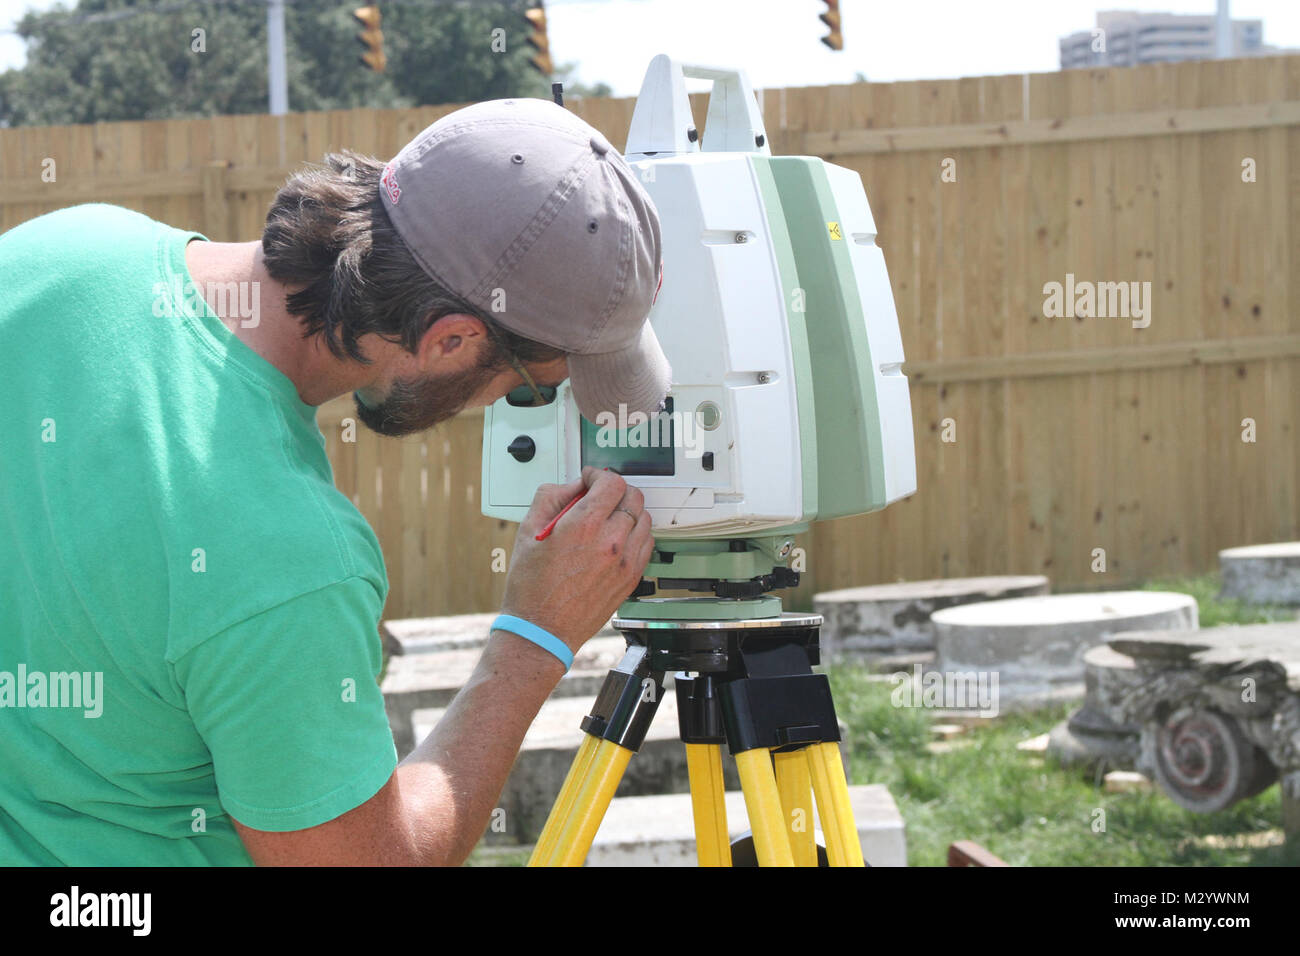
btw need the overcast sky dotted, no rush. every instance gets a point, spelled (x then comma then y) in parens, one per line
(776, 41)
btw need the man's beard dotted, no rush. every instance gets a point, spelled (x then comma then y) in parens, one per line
(417, 404)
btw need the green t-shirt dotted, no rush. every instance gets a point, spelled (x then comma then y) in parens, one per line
(188, 606)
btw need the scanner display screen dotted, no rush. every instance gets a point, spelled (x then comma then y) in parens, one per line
(644, 447)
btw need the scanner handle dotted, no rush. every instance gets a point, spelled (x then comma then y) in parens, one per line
(662, 124)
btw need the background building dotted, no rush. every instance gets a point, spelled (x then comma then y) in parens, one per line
(1131, 38)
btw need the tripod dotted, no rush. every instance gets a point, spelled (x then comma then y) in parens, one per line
(747, 682)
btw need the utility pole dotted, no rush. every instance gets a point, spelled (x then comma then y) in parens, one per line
(1223, 32)
(277, 77)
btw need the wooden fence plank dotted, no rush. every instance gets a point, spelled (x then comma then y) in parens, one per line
(1071, 434)
(1053, 129)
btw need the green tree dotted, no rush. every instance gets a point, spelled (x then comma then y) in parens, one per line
(143, 59)
(459, 54)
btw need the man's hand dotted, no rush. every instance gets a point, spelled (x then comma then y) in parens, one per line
(573, 581)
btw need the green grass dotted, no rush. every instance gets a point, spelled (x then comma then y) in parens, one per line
(499, 856)
(1027, 809)
(1023, 807)
(1215, 611)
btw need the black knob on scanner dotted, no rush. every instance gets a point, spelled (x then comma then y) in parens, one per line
(522, 448)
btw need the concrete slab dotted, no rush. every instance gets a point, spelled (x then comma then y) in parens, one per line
(432, 679)
(424, 635)
(660, 830)
(1273, 649)
(1035, 645)
(548, 751)
(896, 617)
(420, 635)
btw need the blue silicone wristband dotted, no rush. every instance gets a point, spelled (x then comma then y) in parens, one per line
(531, 632)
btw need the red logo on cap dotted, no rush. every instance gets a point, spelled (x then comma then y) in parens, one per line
(389, 182)
(660, 285)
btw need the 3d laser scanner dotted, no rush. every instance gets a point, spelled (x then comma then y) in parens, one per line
(788, 400)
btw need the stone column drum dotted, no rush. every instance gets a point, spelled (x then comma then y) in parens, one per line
(1262, 573)
(891, 618)
(1036, 644)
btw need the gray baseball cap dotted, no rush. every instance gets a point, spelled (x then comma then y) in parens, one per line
(528, 213)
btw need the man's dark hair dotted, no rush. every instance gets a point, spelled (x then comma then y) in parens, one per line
(327, 230)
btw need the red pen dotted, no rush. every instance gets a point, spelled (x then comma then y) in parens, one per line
(550, 525)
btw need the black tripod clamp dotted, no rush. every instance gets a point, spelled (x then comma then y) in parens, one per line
(751, 683)
(627, 701)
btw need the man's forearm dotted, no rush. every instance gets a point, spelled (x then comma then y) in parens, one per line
(451, 782)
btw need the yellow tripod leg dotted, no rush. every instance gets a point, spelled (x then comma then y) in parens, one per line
(708, 804)
(763, 802)
(794, 783)
(608, 764)
(843, 847)
(564, 802)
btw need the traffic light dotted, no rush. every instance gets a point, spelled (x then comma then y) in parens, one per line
(372, 38)
(536, 17)
(834, 39)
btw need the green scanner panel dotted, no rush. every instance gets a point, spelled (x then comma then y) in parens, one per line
(844, 386)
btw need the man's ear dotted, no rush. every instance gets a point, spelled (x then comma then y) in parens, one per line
(453, 341)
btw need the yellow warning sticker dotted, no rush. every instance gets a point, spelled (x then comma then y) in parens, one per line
(834, 229)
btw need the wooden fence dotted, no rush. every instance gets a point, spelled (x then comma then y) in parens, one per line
(1040, 438)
